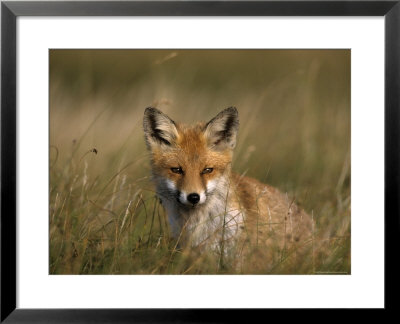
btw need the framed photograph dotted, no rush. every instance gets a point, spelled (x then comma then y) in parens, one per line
(163, 158)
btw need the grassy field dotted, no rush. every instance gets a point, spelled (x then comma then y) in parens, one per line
(294, 110)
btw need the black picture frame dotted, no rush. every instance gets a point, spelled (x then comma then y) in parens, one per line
(10, 10)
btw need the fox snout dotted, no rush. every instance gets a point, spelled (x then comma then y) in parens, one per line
(192, 199)
(184, 197)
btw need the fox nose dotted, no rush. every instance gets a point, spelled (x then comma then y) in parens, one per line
(193, 198)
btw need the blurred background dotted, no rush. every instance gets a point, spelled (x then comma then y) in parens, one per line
(294, 111)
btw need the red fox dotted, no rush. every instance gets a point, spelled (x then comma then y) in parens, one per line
(209, 206)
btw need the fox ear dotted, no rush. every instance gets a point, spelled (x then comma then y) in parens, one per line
(221, 131)
(158, 128)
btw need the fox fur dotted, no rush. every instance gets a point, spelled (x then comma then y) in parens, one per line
(208, 205)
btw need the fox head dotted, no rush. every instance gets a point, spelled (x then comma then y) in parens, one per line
(189, 162)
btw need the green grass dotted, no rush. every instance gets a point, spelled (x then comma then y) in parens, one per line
(294, 110)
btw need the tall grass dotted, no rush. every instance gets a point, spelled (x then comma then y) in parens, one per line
(294, 110)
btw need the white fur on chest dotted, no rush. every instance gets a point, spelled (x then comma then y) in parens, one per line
(215, 224)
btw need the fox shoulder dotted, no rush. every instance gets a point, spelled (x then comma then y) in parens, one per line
(268, 207)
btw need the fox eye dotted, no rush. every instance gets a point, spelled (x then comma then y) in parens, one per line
(177, 170)
(207, 170)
